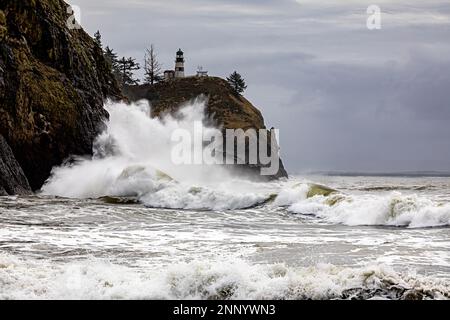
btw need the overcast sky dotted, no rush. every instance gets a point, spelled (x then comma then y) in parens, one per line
(344, 97)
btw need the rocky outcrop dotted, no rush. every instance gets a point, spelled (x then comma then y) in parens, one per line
(12, 178)
(53, 82)
(229, 109)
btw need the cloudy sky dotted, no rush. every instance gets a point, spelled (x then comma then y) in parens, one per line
(344, 97)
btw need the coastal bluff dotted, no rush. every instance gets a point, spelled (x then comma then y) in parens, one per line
(227, 108)
(53, 83)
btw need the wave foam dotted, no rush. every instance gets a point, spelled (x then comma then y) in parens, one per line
(129, 155)
(128, 158)
(394, 209)
(94, 279)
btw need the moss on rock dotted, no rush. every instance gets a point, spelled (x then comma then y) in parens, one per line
(3, 28)
(53, 82)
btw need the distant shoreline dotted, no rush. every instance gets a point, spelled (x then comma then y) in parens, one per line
(413, 174)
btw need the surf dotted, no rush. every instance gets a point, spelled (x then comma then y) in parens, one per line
(205, 280)
(131, 162)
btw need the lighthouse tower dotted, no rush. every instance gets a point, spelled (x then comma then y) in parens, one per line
(179, 65)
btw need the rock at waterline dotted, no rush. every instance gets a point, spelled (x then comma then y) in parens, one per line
(12, 178)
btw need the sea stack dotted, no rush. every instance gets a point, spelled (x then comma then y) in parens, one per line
(229, 109)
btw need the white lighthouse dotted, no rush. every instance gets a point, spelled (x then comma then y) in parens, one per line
(179, 64)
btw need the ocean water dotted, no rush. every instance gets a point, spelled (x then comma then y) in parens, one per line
(126, 224)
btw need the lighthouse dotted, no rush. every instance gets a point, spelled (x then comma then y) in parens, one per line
(179, 64)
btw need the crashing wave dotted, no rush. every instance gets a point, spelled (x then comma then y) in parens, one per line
(132, 160)
(394, 209)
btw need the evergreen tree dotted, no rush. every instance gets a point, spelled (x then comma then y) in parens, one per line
(111, 57)
(237, 82)
(113, 61)
(126, 66)
(152, 67)
(98, 39)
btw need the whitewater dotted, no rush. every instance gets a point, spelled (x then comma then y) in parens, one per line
(127, 223)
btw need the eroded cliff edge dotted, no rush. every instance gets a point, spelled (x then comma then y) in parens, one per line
(53, 83)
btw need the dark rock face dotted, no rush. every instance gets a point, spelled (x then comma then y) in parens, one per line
(228, 109)
(53, 82)
(12, 178)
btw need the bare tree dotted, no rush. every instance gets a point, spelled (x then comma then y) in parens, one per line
(151, 66)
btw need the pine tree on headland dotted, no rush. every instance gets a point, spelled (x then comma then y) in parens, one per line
(113, 62)
(152, 67)
(126, 66)
(237, 82)
(111, 58)
(98, 39)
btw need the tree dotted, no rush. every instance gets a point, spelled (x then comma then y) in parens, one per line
(237, 82)
(111, 57)
(98, 39)
(152, 67)
(126, 66)
(113, 61)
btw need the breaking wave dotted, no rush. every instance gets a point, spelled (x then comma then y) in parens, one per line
(132, 158)
(96, 279)
(394, 209)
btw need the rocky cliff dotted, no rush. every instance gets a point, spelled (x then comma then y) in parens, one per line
(12, 178)
(228, 109)
(53, 82)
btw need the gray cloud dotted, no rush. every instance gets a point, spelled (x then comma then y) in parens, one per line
(344, 97)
